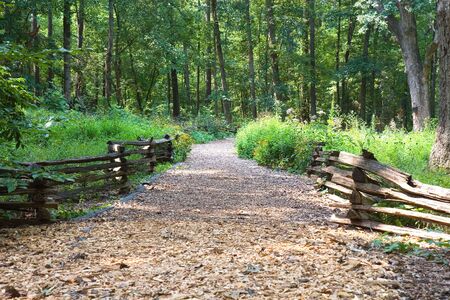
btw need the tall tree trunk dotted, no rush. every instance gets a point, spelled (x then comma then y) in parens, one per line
(197, 94)
(187, 75)
(279, 88)
(51, 42)
(79, 84)
(305, 108)
(440, 154)
(345, 99)
(169, 93)
(108, 65)
(251, 63)
(118, 60)
(175, 95)
(364, 75)
(66, 44)
(223, 74)
(338, 52)
(208, 72)
(312, 55)
(433, 79)
(137, 88)
(375, 100)
(35, 45)
(405, 30)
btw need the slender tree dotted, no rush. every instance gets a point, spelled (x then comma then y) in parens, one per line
(312, 55)
(251, 62)
(175, 94)
(223, 75)
(109, 52)
(279, 88)
(67, 82)
(187, 75)
(338, 53)
(35, 45)
(117, 58)
(208, 71)
(51, 42)
(440, 155)
(364, 74)
(79, 83)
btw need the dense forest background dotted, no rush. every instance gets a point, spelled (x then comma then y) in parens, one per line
(187, 57)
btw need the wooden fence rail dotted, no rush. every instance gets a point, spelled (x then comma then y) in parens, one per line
(47, 183)
(365, 187)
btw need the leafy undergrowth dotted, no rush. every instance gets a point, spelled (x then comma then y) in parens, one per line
(288, 145)
(429, 249)
(56, 135)
(59, 135)
(206, 128)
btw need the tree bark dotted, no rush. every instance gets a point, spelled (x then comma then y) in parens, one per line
(345, 105)
(137, 87)
(118, 59)
(338, 52)
(175, 95)
(79, 83)
(169, 93)
(67, 80)
(35, 45)
(187, 75)
(312, 55)
(433, 86)
(51, 42)
(405, 30)
(251, 63)
(223, 74)
(208, 72)
(108, 64)
(440, 154)
(279, 88)
(364, 75)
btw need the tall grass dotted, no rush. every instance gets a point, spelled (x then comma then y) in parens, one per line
(59, 135)
(288, 145)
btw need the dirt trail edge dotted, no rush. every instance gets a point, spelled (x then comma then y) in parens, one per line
(216, 227)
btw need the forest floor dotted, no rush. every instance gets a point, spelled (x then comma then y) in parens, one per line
(215, 227)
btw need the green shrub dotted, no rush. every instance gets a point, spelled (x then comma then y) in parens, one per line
(288, 144)
(275, 144)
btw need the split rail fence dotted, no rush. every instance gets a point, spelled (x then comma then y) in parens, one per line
(366, 189)
(45, 184)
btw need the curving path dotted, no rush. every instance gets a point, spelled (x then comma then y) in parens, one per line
(216, 227)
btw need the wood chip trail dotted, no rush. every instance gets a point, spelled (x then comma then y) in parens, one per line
(216, 227)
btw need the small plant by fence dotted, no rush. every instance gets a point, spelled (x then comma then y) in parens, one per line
(368, 189)
(48, 183)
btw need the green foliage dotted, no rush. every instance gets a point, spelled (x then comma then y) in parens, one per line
(54, 100)
(60, 135)
(288, 145)
(14, 98)
(436, 254)
(275, 144)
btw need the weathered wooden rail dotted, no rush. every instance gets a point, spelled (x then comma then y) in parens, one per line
(364, 186)
(47, 183)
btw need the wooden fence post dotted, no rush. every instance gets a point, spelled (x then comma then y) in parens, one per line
(39, 198)
(169, 148)
(151, 154)
(123, 179)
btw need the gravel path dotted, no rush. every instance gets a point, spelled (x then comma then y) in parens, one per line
(216, 227)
